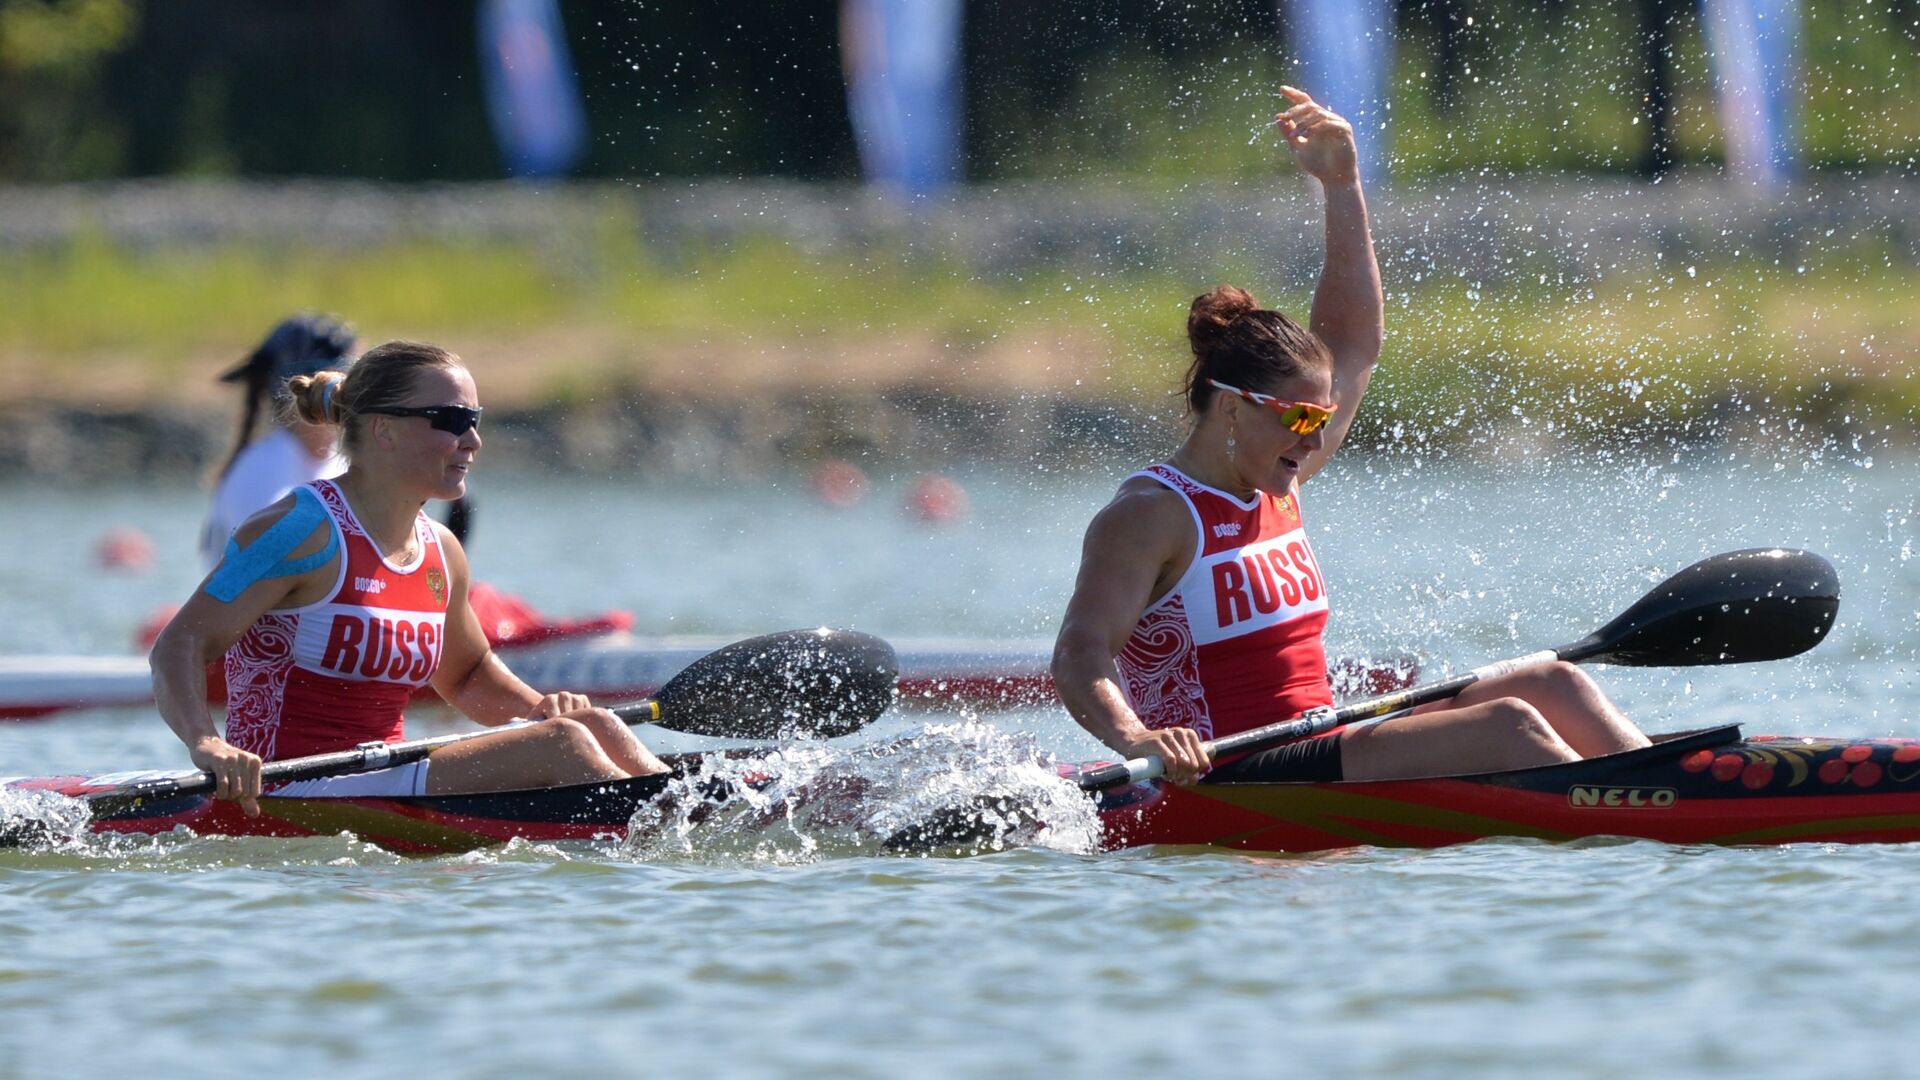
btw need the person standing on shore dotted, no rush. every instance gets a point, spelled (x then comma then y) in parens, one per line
(1199, 608)
(259, 472)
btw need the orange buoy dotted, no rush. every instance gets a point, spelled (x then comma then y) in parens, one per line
(150, 627)
(937, 500)
(839, 483)
(124, 549)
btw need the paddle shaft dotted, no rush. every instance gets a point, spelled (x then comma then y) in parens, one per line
(1315, 722)
(750, 688)
(365, 758)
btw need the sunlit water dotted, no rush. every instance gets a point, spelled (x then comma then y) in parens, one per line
(765, 942)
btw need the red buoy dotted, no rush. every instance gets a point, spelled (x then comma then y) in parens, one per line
(937, 500)
(124, 549)
(839, 483)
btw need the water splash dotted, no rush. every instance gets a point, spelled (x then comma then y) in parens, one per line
(41, 819)
(806, 802)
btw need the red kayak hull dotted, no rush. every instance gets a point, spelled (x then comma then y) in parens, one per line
(1704, 787)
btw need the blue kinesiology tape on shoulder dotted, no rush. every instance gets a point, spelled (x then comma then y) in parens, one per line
(243, 568)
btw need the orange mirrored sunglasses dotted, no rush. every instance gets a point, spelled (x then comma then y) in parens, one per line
(1300, 417)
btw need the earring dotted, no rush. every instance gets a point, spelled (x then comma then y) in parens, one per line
(1231, 443)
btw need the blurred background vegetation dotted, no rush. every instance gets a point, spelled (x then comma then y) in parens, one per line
(386, 89)
(1065, 101)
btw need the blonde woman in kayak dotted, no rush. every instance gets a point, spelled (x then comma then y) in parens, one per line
(260, 471)
(331, 607)
(1199, 607)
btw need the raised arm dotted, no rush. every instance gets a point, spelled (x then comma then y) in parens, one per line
(1348, 308)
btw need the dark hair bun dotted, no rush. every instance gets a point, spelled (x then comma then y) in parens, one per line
(1213, 312)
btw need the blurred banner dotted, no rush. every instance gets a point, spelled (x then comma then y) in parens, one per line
(1754, 47)
(902, 61)
(1344, 49)
(533, 98)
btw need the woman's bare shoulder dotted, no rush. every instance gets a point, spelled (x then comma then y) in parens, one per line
(1143, 510)
(451, 550)
(264, 520)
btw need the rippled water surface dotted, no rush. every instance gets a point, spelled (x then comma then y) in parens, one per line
(801, 949)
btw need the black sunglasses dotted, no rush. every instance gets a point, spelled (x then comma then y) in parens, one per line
(452, 419)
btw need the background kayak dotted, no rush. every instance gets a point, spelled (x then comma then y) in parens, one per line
(935, 672)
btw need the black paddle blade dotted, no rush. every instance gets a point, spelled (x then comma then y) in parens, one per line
(27, 833)
(795, 684)
(1758, 604)
(986, 820)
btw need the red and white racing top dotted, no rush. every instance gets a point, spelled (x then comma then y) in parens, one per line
(1236, 643)
(337, 673)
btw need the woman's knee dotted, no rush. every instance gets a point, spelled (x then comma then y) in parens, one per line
(570, 736)
(1567, 676)
(1523, 728)
(607, 724)
(594, 720)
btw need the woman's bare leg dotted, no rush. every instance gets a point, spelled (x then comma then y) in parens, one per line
(619, 742)
(1570, 701)
(1488, 736)
(1539, 716)
(549, 753)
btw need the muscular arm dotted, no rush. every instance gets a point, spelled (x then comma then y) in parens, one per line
(204, 629)
(1135, 549)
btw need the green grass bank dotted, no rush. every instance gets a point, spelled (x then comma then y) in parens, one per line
(1567, 312)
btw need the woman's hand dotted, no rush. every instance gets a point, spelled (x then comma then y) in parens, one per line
(1321, 140)
(1182, 749)
(236, 771)
(559, 704)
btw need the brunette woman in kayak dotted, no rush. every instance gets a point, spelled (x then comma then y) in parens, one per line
(332, 606)
(260, 471)
(1199, 607)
